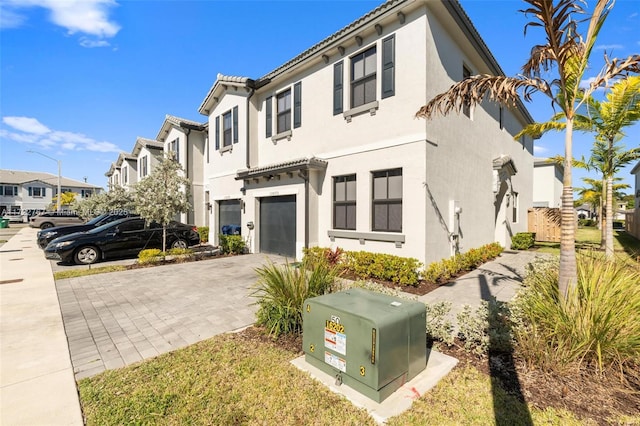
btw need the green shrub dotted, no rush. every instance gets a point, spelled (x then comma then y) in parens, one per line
(387, 267)
(150, 256)
(232, 244)
(439, 326)
(281, 291)
(586, 222)
(442, 271)
(523, 241)
(488, 327)
(203, 231)
(179, 251)
(597, 324)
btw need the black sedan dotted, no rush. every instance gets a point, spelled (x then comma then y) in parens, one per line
(45, 236)
(121, 238)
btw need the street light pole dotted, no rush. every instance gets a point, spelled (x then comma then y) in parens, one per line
(59, 203)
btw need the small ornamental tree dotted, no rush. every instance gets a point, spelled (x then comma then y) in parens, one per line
(67, 199)
(162, 195)
(117, 199)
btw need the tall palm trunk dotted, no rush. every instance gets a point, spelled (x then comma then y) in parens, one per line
(609, 224)
(603, 217)
(568, 274)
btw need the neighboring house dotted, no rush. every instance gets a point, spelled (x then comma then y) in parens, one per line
(23, 192)
(632, 222)
(586, 211)
(325, 150)
(128, 167)
(113, 176)
(547, 183)
(186, 140)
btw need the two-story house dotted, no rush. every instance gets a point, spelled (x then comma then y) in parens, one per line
(186, 141)
(129, 169)
(325, 150)
(632, 220)
(23, 192)
(547, 183)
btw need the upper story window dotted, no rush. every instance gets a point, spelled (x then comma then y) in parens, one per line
(174, 147)
(514, 207)
(86, 193)
(363, 77)
(144, 170)
(284, 111)
(8, 190)
(344, 202)
(501, 117)
(125, 175)
(466, 108)
(37, 191)
(226, 129)
(387, 200)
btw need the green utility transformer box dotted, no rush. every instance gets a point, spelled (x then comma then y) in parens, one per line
(371, 342)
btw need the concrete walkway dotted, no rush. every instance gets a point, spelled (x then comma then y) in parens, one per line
(37, 385)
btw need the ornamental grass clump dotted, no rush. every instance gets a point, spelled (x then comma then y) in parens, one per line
(597, 325)
(282, 289)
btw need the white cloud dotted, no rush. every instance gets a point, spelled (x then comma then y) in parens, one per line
(584, 84)
(31, 131)
(539, 150)
(26, 124)
(609, 46)
(86, 42)
(89, 17)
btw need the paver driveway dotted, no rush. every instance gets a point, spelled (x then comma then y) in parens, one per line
(115, 319)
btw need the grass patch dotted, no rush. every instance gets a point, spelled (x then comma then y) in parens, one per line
(467, 397)
(242, 379)
(625, 246)
(74, 273)
(227, 380)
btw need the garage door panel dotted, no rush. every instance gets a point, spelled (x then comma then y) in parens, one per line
(278, 225)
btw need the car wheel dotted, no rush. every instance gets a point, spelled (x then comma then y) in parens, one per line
(46, 225)
(179, 243)
(87, 255)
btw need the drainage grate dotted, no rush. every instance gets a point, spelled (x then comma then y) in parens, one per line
(17, 280)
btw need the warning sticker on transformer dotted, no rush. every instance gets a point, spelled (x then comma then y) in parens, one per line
(335, 361)
(335, 341)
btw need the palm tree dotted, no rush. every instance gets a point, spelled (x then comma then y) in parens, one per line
(593, 193)
(566, 51)
(606, 119)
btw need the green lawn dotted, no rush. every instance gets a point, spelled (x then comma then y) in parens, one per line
(231, 379)
(624, 245)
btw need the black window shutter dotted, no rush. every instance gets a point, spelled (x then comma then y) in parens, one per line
(217, 133)
(235, 124)
(297, 104)
(388, 66)
(337, 87)
(268, 118)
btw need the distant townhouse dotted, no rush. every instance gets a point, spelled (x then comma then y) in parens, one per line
(24, 191)
(325, 151)
(547, 183)
(186, 141)
(131, 168)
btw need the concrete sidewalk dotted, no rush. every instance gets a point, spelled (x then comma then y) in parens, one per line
(37, 386)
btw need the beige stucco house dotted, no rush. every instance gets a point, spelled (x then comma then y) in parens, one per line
(632, 222)
(325, 150)
(547, 183)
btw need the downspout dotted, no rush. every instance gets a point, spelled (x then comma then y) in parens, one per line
(186, 167)
(248, 156)
(304, 174)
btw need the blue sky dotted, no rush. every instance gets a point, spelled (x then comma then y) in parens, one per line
(81, 79)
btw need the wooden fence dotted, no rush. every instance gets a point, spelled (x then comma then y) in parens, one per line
(545, 222)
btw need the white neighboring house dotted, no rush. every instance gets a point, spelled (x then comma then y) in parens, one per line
(324, 150)
(187, 139)
(632, 222)
(127, 164)
(547, 183)
(145, 155)
(24, 192)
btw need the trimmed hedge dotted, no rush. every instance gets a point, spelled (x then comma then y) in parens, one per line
(232, 244)
(523, 241)
(446, 269)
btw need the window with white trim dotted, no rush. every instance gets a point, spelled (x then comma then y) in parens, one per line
(514, 207)
(227, 130)
(283, 104)
(387, 200)
(344, 202)
(144, 166)
(363, 77)
(37, 192)
(9, 190)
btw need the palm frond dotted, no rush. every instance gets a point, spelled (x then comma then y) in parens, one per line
(473, 90)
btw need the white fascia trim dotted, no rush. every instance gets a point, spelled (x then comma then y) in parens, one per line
(387, 143)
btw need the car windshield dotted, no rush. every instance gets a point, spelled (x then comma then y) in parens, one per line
(97, 219)
(107, 226)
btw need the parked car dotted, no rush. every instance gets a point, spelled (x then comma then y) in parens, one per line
(120, 238)
(50, 219)
(46, 235)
